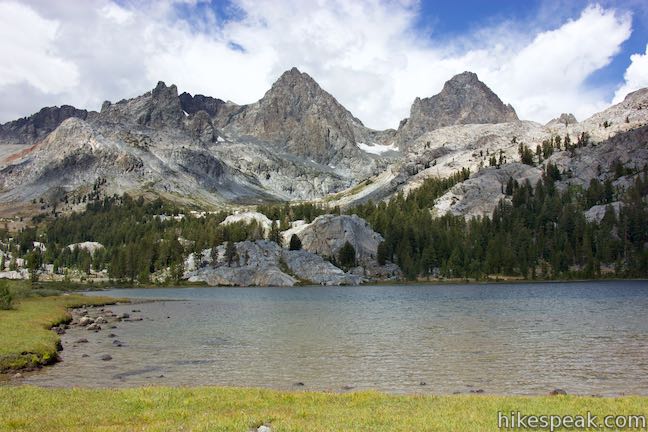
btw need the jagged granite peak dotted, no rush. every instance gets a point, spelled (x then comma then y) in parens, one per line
(158, 108)
(464, 99)
(29, 130)
(564, 119)
(301, 118)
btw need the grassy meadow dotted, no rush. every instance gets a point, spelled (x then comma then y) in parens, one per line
(241, 409)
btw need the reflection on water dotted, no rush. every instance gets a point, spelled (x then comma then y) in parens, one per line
(588, 338)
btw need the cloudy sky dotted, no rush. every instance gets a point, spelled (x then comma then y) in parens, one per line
(542, 56)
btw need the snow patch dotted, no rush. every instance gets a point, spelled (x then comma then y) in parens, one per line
(377, 149)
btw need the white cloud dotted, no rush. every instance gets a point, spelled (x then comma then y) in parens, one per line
(548, 74)
(635, 77)
(366, 53)
(29, 53)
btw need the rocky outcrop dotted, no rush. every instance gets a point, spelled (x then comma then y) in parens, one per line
(264, 263)
(327, 234)
(248, 217)
(480, 194)
(597, 213)
(463, 100)
(88, 246)
(597, 159)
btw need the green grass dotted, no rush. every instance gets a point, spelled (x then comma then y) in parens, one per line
(25, 336)
(238, 409)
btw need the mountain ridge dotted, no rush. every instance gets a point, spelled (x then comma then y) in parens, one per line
(296, 143)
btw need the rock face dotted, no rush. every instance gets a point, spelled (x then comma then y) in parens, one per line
(88, 246)
(247, 217)
(596, 160)
(264, 263)
(327, 234)
(158, 108)
(480, 194)
(29, 130)
(597, 213)
(463, 100)
(192, 104)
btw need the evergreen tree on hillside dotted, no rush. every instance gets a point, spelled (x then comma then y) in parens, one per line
(347, 256)
(230, 253)
(275, 234)
(381, 253)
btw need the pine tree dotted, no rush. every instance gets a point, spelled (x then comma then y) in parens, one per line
(381, 253)
(295, 242)
(275, 234)
(230, 253)
(347, 256)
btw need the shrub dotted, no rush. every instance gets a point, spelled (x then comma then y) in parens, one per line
(6, 298)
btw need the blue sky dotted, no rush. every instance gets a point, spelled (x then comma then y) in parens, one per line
(544, 57)
(453, 18)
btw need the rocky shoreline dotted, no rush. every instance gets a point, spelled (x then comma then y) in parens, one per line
(93, 319)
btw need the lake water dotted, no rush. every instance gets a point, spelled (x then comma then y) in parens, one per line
(586, 338)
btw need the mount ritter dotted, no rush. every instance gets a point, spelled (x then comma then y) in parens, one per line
(294, 189)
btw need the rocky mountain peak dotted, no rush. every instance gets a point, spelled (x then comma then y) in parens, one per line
(296, 82)
(564, 119)
(161, 90)
(464, 99)
(301, 94)
(28, 130)
(300, 117)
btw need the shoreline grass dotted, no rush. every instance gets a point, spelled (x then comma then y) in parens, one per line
(26, 338)
(28, 408)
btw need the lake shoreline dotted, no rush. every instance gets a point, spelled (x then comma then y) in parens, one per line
(440, 282)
